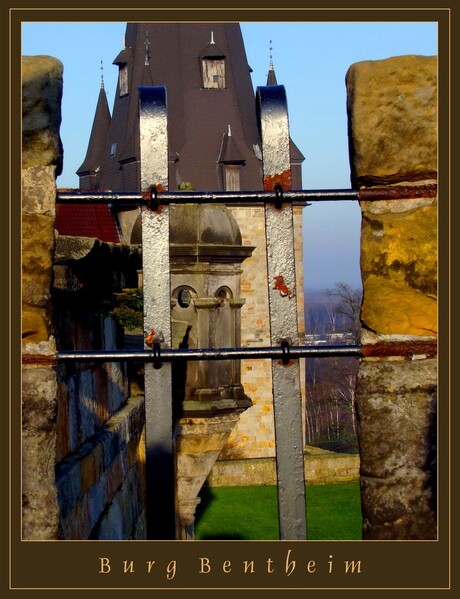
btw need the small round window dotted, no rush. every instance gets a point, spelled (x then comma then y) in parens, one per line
(184, 299)
(224, 294)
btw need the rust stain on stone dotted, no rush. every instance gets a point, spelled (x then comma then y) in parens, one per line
(281, 363)
(280, 285)
(407, 349)
(284, 179)
(39, 359)
(398, 192)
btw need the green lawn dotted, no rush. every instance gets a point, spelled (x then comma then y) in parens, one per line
(251, 513)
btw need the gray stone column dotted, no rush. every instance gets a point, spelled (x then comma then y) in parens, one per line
(392, 111)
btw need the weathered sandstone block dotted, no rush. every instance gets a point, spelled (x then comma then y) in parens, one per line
(396, 403)
(399, 270)
(37, 247)
(41, 111)
(392, 111)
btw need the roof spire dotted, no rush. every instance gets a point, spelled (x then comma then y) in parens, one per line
(102, 74)
(271, 77)
(229, 131)
(212, 38)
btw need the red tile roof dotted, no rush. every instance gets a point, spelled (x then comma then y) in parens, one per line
(92, 220)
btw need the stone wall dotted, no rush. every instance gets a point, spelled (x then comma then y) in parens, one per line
(41, 163)
(82, 433)
(321, 467)
(392, 109)
(100, 451)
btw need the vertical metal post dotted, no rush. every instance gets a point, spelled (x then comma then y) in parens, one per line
(157, 316)
(272, 114)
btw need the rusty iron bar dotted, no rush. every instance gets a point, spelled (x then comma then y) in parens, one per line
(249, 198)
(405, 349)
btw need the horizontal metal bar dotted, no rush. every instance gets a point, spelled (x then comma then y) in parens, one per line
(408, 349)
(237, 353)
(249, 198)
(212, 197)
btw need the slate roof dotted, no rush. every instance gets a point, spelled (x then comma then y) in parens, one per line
(97, 145)
(198, 118)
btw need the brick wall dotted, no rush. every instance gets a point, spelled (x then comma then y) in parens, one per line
(254, 436)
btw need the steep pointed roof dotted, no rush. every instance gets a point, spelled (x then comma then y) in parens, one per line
(212, 50)
(98, 139)
(196, 116)
(173, 55)
(271, 77)
(229, 151)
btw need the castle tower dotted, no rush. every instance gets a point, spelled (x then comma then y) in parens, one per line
(95, 154)
(214, 145)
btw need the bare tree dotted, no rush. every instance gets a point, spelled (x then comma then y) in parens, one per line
(348, 306)
(331, 416)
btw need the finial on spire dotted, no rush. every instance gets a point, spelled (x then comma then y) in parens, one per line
(212, 38)
(147, 50)
(271, 77)
(102, 74)
(229, 131)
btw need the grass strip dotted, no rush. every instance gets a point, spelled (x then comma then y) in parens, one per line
(251, 513)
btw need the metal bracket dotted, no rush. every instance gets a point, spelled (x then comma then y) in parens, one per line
(271, 107)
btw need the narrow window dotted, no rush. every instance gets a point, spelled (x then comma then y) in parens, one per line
(123, 80)
(232, 177)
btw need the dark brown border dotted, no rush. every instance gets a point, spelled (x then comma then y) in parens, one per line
(75, 565)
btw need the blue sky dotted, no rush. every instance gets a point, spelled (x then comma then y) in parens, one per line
(311, 60)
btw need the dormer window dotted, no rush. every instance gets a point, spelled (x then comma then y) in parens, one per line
(122, 61)
(231, 160)
(212, 66)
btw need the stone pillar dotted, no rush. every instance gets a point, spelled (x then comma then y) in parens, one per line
(206, 255)
(392, 111)
(41, 163)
